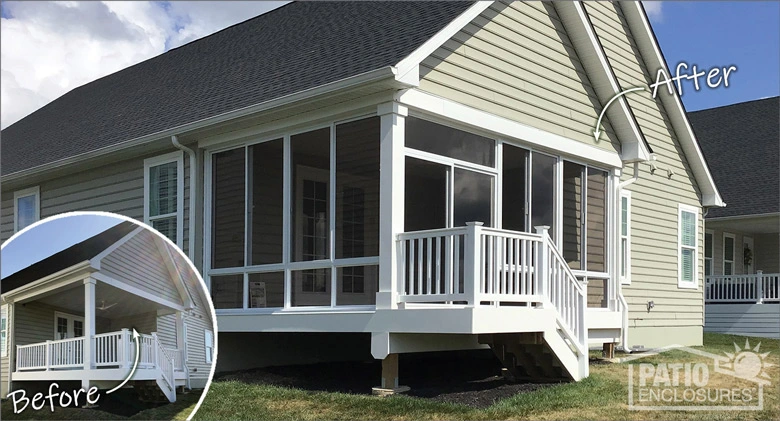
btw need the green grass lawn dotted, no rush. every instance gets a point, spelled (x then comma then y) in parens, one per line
(604, 395)
(180, 410)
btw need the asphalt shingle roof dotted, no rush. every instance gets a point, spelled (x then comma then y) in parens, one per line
(287, 50)
(741, 143)
(64, 259)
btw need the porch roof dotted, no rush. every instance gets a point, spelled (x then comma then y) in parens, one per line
(67, 258)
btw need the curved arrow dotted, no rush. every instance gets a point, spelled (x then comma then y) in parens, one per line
(135, 364)
(596, 131)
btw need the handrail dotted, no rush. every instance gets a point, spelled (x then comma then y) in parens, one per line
(757, 288)
(164, 363)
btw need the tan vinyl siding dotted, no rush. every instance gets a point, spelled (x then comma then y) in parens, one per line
(515, 60)
(152, 276)
(655, 199)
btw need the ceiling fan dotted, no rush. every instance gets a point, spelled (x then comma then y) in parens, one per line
(106, 307)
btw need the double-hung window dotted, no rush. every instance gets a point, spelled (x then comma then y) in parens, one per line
(27, 205)
(163, 195)
(625, 237)
(4, 330)
(208, 339)
(687, 246)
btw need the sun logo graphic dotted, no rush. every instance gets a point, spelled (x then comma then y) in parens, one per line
(746, 363)
(679, 378)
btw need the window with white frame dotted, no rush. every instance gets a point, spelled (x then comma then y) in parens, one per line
(625, 237)
(208, 338)
(27, 207)
(306, 201)
(708, 253)
(163, 195)
(687, 246)
(728, 253)
(4, 330)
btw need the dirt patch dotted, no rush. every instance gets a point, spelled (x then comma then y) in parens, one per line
(471, 379)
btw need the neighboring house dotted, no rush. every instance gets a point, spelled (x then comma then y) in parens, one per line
(102, 288)
(402, 176)
(741, 143)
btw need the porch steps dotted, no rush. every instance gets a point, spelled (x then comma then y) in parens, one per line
(534, 356)
(154, 391)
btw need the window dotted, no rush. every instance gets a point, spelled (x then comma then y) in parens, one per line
(209, 342)
(708, 249)
(625, 237)
(687, 241)
(728, 253)
(4, 330)
(164, 196)
(27, 208)
(67, 326)
(288, 213)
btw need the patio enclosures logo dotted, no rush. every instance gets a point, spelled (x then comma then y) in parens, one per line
(686, 379)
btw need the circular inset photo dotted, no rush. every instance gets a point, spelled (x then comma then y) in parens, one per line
(102, 318)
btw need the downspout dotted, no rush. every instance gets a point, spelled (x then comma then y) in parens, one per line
(193, 189)
(621, 298)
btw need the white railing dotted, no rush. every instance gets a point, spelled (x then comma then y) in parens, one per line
(757, 288)
(178, 357)
(111, 348)
(114, 349)
(165, 363)
(66, 353)
(32, 357)
(475, 266)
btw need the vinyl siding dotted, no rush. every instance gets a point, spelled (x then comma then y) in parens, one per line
(515, 60)
(761, 320)
(152, 276)
(117, 187)
(655, 200)
(199, 319)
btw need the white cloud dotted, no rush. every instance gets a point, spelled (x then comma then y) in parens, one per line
(49, 48)
(653, 9)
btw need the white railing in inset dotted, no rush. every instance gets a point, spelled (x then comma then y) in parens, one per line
(32, 357)
(148, 351)
(756, 288)
(164, 362)
(178, 357)
(475, 265)
(111, 348)
(66, 353)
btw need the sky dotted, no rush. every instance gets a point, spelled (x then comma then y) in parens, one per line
(49, 48)
(48, 238)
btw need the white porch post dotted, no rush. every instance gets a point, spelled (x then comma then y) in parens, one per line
(89, 324)
(760, 286)
(391, 200)
(542, 262)
(180, 336)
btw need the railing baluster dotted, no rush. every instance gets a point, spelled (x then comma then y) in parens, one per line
(437, 290)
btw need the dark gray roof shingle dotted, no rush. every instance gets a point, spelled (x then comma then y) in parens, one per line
(741, 143)
(290, 49)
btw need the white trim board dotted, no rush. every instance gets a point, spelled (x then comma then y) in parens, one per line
(136, 291)
(582, 34)
(651, 53)
(507, 129)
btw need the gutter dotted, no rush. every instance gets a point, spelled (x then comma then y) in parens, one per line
(387, 72)
(193, 189)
